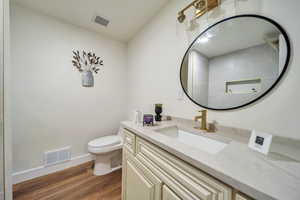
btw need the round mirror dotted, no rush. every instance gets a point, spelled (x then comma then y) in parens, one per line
(235, 62)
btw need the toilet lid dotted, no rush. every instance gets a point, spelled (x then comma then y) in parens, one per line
(105, 141)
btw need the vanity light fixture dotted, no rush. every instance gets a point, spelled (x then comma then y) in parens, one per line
(181, 17)
(201, 6)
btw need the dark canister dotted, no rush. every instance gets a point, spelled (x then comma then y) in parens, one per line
(158, 111)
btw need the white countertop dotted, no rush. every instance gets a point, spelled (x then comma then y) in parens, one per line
(259, 176)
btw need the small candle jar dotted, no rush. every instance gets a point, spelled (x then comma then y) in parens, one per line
(148, 120)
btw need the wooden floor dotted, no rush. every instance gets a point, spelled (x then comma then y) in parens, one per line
(79, 184)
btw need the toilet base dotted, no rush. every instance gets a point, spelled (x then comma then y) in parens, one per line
(103, 164)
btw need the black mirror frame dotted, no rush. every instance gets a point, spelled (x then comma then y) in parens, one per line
(287, 61)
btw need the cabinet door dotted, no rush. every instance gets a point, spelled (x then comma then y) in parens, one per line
(169, 194)
(139, 183)
(241, 197)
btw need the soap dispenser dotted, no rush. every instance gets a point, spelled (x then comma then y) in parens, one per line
(137, 117)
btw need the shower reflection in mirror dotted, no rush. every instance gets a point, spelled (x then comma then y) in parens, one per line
(227, 68)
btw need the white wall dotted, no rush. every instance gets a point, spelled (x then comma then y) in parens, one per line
(49, 107)
(255, 62)
(155, 57)
(1, 102)
(7, 121)
(282, 53)
(3, 37)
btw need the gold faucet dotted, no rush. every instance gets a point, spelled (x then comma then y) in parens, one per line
(203, 118)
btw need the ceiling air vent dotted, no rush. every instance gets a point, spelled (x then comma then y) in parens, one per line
(100, 20)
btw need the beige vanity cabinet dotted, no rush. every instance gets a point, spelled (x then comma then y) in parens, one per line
(151, 173)
(139, 183)
(168, 194)
(241, 197)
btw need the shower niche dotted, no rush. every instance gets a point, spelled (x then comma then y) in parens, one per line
(243, 86)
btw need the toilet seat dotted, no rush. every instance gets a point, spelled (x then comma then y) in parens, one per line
(105, 141)
(105, 144)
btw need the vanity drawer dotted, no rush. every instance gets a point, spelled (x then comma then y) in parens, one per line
(186, 181)
(129, 141)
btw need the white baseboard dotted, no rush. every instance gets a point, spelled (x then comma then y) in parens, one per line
(25, 175)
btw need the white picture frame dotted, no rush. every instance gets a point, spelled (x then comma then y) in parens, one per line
(260, 141)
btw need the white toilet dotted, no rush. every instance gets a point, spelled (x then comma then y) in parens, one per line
(106, 149)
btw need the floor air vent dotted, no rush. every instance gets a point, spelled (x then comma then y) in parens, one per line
(57, 156)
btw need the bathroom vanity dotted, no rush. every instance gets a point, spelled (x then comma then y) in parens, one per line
(173, 161)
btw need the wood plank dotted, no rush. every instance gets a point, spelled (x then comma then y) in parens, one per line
(42, 181)
(38, 193)
(97, 184)
(75, 184)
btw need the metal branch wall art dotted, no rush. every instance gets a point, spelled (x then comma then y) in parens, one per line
(87, 64)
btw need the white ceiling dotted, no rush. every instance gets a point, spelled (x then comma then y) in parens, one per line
(237, 34)
(126, 17)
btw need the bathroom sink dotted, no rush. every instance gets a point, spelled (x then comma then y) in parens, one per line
(191, 139)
